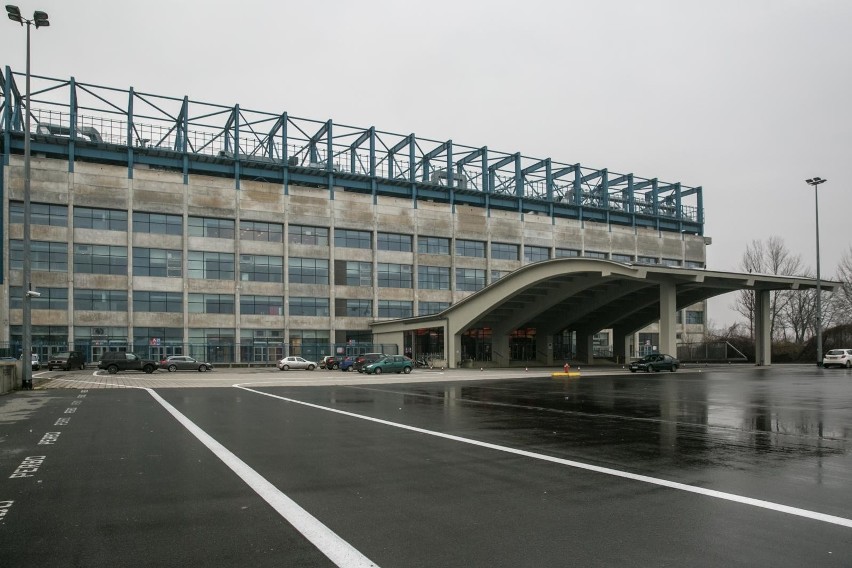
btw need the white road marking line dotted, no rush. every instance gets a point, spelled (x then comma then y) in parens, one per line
(814, 515)
(327, 541)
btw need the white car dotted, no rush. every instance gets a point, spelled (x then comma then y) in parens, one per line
(288, 363)
(839, 357)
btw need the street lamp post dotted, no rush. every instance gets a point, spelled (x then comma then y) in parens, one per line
(818, 319)
(40, 20)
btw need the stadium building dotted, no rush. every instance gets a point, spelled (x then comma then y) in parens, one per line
(169, 226)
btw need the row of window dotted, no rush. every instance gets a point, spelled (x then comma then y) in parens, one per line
(172, 302)
(169, 335)
(109, 259)
(158, 223)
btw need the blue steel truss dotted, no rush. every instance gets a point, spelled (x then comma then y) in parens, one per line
(80, 121)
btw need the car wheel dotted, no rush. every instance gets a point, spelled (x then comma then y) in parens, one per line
(202, 368)
(112, 369)
(406, 370)
(311, 367)
(674, 368)
(378, 370)
(82, 366)
(335, 367)
(651, 368)
(148, 369)
(849, 364)
(172, 368)
(632, 370)
(285, 368)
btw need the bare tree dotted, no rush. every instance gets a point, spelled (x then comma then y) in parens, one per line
(770, 257)
(842, 298)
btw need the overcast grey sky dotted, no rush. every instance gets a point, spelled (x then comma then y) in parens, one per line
(746, 98)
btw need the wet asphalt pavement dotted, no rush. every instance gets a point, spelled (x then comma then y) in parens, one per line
(722, 467)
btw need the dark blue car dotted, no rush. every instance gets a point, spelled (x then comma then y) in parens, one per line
(346, 363)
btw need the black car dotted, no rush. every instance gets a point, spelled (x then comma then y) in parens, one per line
(655, 362)
(66, 360)
(115, 361)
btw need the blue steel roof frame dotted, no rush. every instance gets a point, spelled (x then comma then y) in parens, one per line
(211, 139)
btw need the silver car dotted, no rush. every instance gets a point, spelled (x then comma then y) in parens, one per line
(288, 363)
(184, 363)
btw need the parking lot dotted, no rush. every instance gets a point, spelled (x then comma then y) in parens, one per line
(736, 466)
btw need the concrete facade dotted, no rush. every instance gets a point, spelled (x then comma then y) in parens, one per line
(97, 186)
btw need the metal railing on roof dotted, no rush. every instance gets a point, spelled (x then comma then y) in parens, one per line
(140, 124)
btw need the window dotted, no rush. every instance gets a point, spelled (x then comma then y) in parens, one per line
(257, 231)
(359, 273)
(44, 255)
(100, 259)
(470, 279)
(647, 260)
(433, 245)
(308, 271)
(211, 304)
(393, 241)
(40, 214)
(354, 308)
(309, 306)
(100, 300)
(433, 277)
(535, 254)
(429, 308)
(504, 251)
(209, 227)
(102, 219)
(565, 253)
(594, 254)
(157, 262)
(694, 264)
(470, 248)
(394, 275)
(50, 299)
(621, 258)
(157, 223)
(210, 265)
(693, 317)
(262, 305)
(258, 268)
(498, 274)
(671, 262)
(171, 302)
(395, 309)
(353, 239)
(305, 235)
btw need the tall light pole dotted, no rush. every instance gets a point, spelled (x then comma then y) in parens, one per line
(818, 319)
(40, 20)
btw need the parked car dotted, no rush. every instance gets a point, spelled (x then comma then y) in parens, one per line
(838, 357)
(390, 364)
(66, 360)
(36, 362)
(329, 362)
(363, 360)
(115, 361)
(184, 363)
(288, 363)
(655, 362)
(346, 363)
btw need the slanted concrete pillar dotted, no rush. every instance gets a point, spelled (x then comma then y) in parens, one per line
(762, 328)
(585, 346)
(500, 347)
(621, 342)
(668, 319)
(547, 348)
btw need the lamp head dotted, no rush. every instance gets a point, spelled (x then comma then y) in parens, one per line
(815, 181)
(40, 19)
(14, 14)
